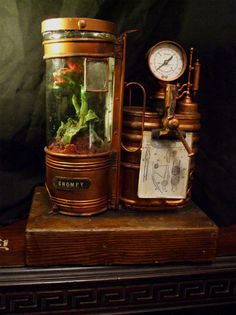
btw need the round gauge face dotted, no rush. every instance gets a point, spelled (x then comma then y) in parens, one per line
(167, 61)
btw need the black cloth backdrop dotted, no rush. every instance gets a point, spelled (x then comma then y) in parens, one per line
(207, 25)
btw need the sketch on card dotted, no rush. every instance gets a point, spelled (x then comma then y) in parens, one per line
(160, 177)
(146, 162)
(164, 168)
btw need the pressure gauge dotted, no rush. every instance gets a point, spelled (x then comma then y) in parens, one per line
(167, 61)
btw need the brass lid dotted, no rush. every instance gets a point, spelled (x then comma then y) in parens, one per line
(83, 24)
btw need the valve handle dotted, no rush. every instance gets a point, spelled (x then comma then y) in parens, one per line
(170, 122)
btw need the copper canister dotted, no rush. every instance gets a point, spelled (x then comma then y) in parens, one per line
(83, 94)
(135, 121)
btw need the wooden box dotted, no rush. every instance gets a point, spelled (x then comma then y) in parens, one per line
(117, 236)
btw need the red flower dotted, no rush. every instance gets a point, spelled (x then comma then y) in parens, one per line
(59, 80)
(73, 66)
(60, 76)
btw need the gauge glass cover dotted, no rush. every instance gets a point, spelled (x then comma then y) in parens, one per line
(167, 61)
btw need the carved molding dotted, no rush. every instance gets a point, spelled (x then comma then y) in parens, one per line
(159, 289)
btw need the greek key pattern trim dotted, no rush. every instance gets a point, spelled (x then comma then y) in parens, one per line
(91, 299)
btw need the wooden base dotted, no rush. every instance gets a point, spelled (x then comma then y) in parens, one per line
(117, 236)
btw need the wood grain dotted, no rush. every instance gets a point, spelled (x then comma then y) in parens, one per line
(117, 237)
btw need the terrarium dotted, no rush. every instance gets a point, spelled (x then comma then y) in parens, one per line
(83, 93)
(79, 105)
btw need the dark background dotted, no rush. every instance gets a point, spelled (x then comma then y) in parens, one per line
(207, 25)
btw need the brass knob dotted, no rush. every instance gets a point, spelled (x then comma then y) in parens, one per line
(173, 123)
(81, 24)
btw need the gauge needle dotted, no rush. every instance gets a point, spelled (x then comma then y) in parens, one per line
(165, 63)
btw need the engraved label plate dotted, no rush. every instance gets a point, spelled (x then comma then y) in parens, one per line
(65, 183)
(164, 168)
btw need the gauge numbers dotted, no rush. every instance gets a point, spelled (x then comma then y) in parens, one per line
(167, 61)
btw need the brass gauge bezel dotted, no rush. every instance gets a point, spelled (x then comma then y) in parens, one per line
(181, 51)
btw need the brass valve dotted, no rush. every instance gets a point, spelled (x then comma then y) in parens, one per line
(169, 122)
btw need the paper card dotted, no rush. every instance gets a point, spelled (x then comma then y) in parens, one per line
(164, 168)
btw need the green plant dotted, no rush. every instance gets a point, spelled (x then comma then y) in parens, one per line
(70, 80)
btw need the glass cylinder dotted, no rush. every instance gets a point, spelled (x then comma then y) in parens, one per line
(80, 89)
(79, 97)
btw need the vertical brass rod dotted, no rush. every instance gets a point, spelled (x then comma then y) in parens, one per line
(190, 68)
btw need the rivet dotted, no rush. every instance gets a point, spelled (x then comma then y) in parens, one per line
(81, 24)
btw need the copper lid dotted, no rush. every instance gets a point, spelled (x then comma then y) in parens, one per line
(83, 24)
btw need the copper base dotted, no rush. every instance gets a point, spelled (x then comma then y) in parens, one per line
(78, 184)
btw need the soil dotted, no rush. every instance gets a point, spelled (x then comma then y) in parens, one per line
(78, 146)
